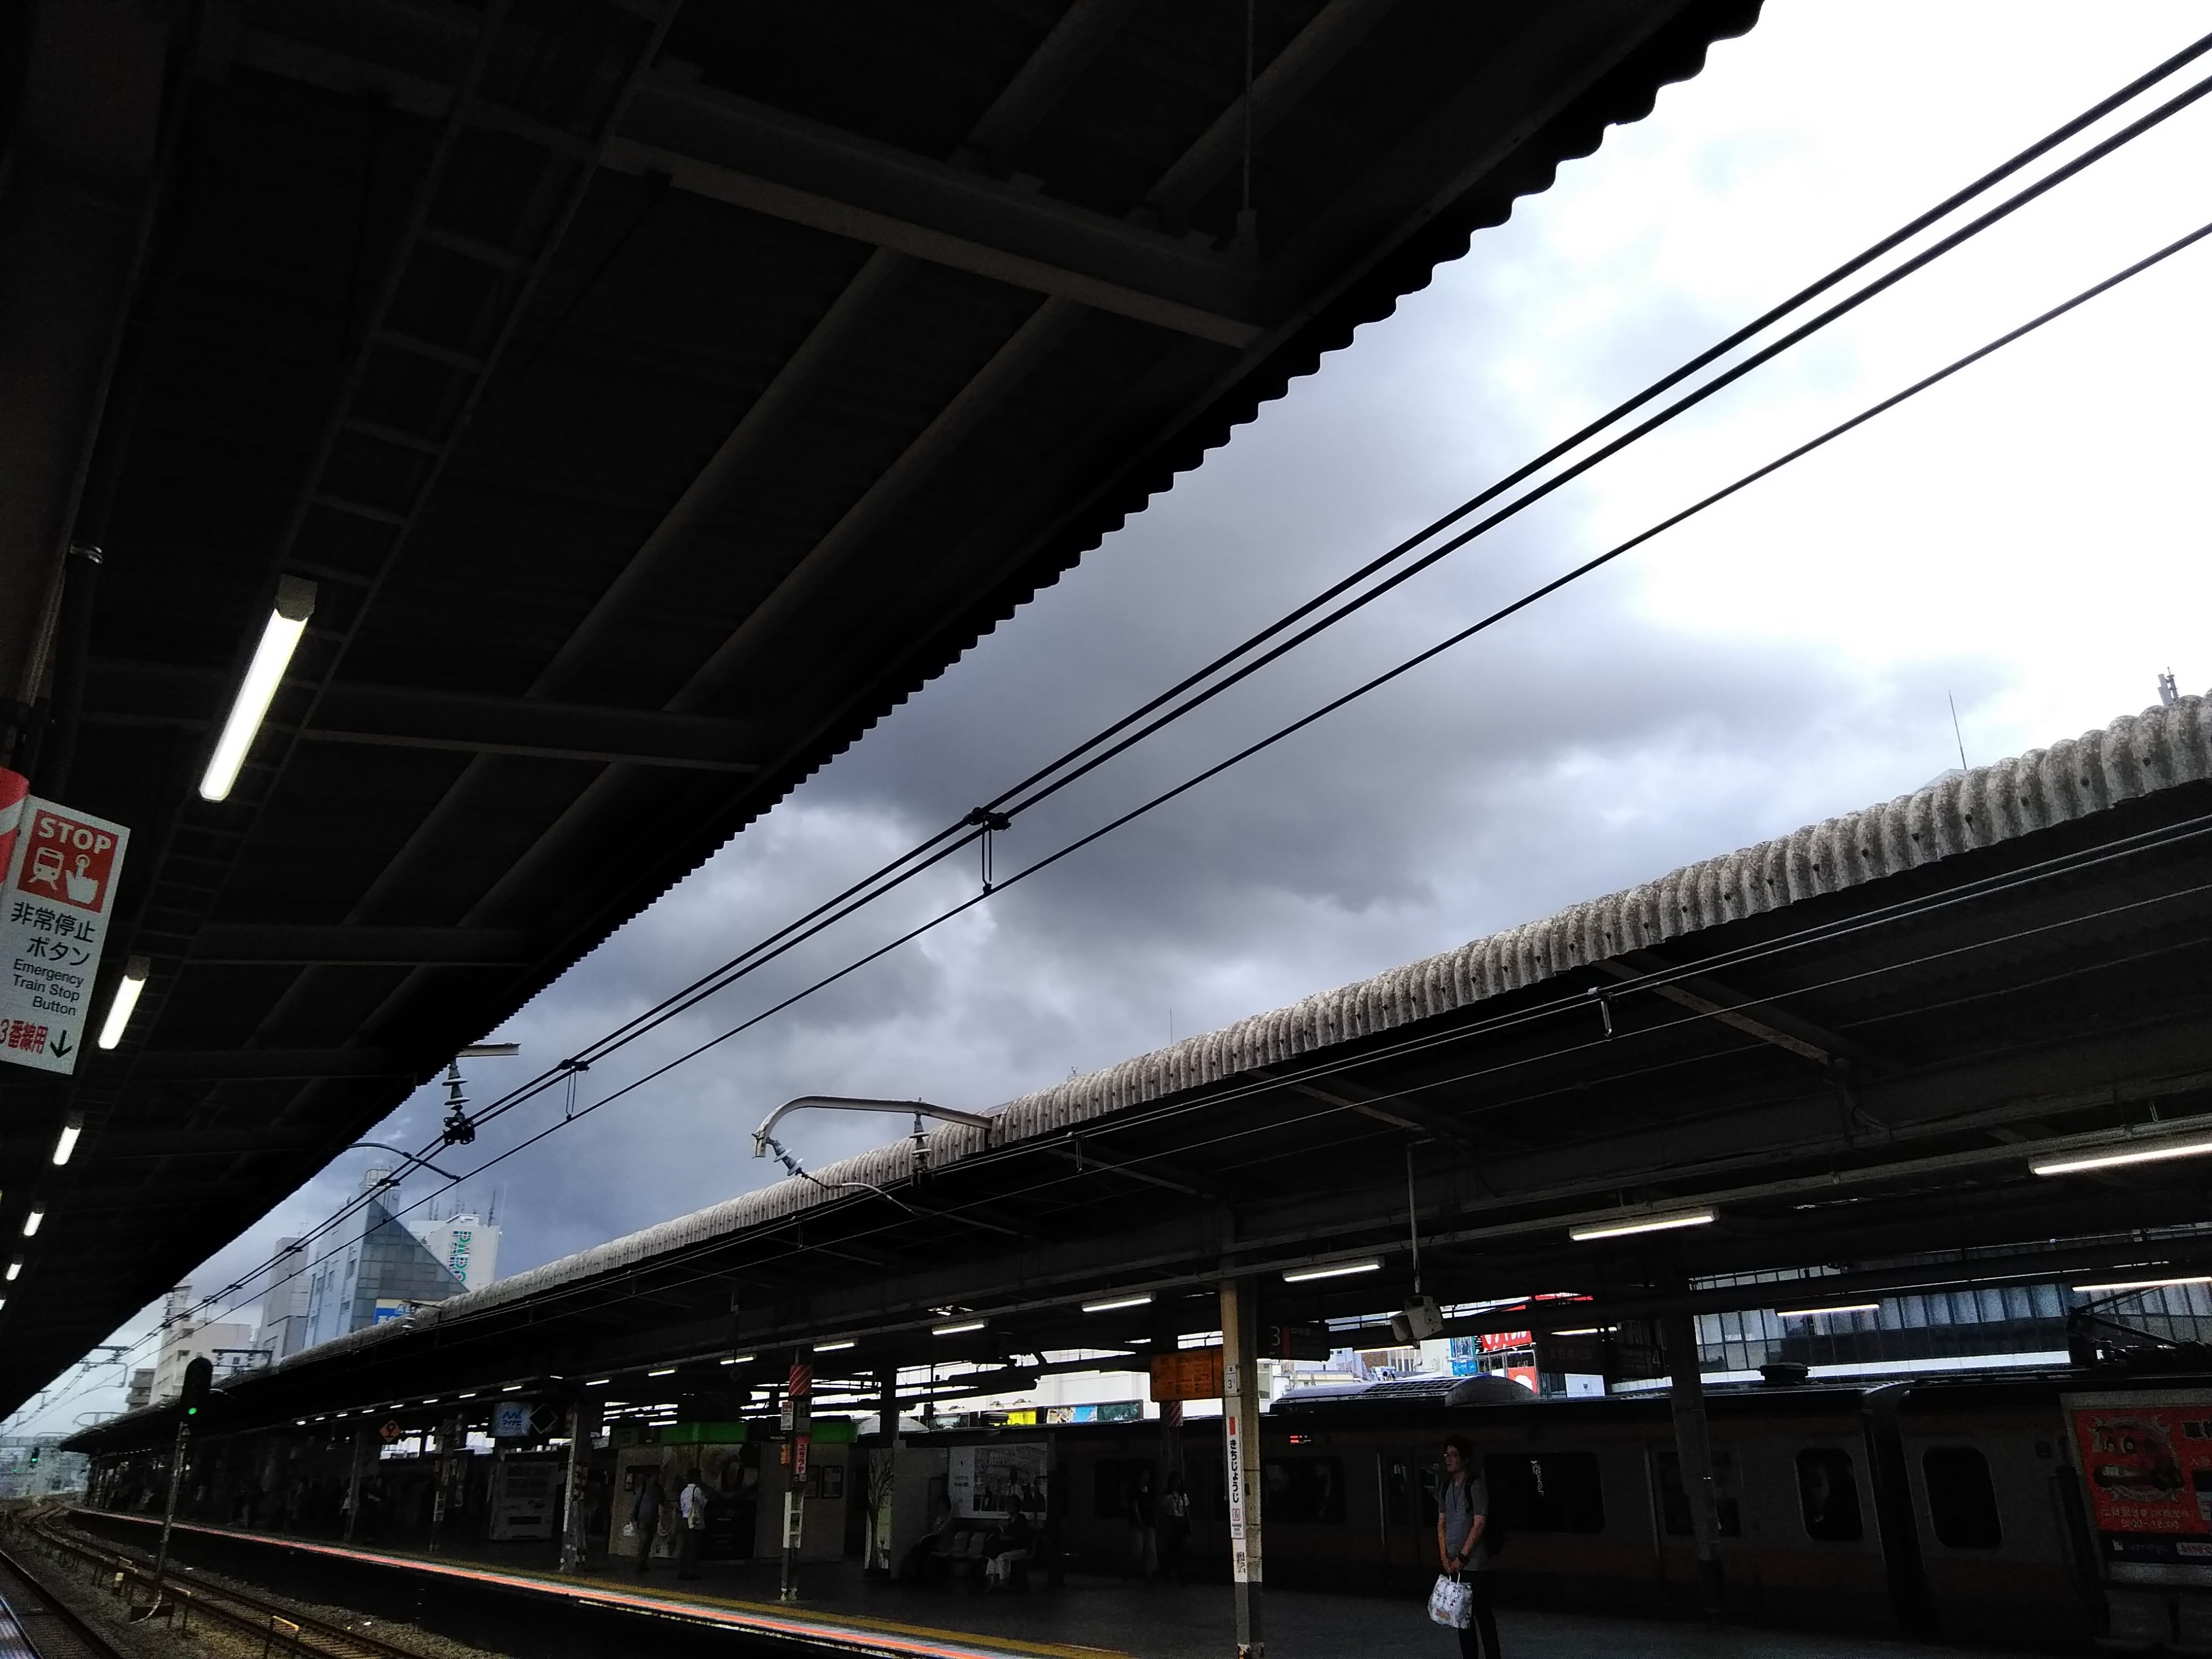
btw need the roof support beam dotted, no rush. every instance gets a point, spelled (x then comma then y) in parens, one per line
(219, 1065)
(1707, 996)
(717, 144)
(406, 718)
(346, 945)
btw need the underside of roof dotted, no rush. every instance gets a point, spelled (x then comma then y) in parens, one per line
(655, 397)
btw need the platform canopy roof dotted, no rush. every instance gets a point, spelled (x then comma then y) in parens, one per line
(655, 398)
(1850, 1046)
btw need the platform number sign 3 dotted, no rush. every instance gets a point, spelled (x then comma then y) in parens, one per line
(56, 899)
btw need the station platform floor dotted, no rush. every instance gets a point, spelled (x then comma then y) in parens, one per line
(1096, 1617)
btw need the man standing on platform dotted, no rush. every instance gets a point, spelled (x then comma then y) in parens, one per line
(1462, 1517)
(690, 1525)
(646, 1517)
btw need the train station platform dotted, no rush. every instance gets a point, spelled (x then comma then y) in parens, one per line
(1088, 1617)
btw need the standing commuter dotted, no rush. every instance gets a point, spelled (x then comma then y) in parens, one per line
(1175, 1528)
(690, 1525)
(645, 1515)
(1462, 1515)
(1143, 1530)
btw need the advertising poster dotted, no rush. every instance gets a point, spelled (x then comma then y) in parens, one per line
(2146, 1463)
(991, 1482)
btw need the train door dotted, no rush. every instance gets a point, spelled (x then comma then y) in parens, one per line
(1674, 1542)
(1409, 1483)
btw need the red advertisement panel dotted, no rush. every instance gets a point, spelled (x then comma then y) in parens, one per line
(2145, 1467)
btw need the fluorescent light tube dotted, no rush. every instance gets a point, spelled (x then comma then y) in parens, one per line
(280, 637)
(599, 1382)
(31, 1221)
(1341, 1270)
(739, 1359)
(1642, 1223)
(126, 1000)
(665, 1370)
(1814, 1313)
(1584, 1330)
(72, 1126)
(2142, 1285)
(960, 1329)
(16, 1269)
(2114, 1160)
(1115, 1304)
(833, 1348)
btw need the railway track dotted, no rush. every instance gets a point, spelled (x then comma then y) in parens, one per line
(36, 1625)
(182, 1601)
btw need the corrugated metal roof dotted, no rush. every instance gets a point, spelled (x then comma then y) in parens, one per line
(1964, 813)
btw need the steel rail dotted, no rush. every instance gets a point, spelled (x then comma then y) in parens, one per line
(283, 1630)
(80, 1628)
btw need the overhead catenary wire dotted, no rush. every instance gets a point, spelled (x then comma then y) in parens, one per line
(1218, 675)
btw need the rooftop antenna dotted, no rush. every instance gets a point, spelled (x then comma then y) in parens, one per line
(2168, 693)
(1957, 735)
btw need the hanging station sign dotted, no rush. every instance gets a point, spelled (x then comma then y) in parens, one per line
(61, 871)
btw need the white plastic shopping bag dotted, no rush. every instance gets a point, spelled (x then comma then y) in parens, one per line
(1451, 1602)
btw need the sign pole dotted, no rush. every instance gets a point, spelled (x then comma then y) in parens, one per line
(583, 1425)
(1240, 1424)
(799, 1403)
(353, 1480)
(169, 1514)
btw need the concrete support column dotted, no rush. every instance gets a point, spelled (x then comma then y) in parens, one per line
(1240, 1424)
(879, 1494)
(1694, 1452)
(799, 1405)
(363, 1438)
(583, 1425)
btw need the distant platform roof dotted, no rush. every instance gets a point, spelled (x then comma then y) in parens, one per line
(655, 399)
(1847, 1044)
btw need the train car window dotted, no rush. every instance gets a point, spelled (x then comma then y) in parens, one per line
(1675, 1507)
(1545, 1491)
(1828, 1494)
(1398, 1489)
(1961, 1502)
(1112, 1481)
(1305, 1490)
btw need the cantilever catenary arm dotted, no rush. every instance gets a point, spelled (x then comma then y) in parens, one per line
(849, 1103)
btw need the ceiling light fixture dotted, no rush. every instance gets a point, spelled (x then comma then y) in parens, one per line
(960, 1329)
(2114, 1160)
(739, 1359)
(31, 1221)
(833, 1347)
(1641, 1224)
(1814, 1313)
(280, 637)
(1339, 1270)
(126, 1000)
(2142, 1285)
(1115, 1304)
(665, 1370)
(72, 1126)
(16, 1269)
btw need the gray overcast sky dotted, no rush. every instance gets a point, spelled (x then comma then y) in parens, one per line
(2029, 540)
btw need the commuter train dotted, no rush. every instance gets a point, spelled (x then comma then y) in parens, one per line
(2046, 1509)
